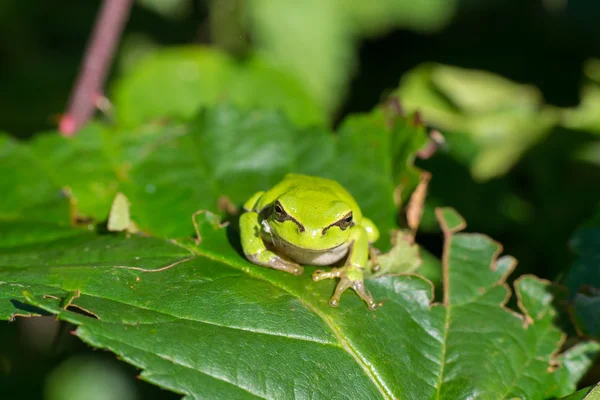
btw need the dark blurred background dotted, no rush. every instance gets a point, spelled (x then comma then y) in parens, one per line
(543, 43)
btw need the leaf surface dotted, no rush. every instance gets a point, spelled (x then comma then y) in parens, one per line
(583, 280)
(489, 121)
(202, 321)
(590, 393)
(168, 172)
(178, 82)
(316, 41)
(199, 319)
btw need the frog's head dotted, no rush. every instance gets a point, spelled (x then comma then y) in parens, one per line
(311, 219)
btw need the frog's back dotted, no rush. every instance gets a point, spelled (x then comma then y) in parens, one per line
(299, 183)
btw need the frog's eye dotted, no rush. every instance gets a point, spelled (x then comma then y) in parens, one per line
(345, 222)
(281, 216)
(279, 213)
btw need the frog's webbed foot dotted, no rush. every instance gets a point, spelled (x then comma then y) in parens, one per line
(350, 277)
(359, 288)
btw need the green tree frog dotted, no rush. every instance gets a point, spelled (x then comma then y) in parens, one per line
(314, 221)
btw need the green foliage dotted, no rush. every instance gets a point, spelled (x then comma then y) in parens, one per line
(517, 199)
(316, 39)
(585, 115)
(169, 172)
(499, 118)
(587, 393)
(489, 121)
(177, 82)
(173, 307)
(193, 124)
(583, 280)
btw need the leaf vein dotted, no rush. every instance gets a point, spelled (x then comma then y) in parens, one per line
(176, 318)
(523, 369)
(366, 367)
(178, 363)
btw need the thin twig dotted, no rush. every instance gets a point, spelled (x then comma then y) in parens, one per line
(98, 58)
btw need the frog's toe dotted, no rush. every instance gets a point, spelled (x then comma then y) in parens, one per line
(363, 293)
(296, 270)
(319, 275)
(289, 267)
(358, 286)
(278, 263)
(341, 287)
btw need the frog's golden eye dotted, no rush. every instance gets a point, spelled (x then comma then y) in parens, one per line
(345, 222)
(281, 216)
(279, 213)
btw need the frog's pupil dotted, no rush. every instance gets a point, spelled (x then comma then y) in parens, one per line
(279, 213)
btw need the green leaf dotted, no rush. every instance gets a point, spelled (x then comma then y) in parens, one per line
(173, 83)
(30, 191)
(260, 84)
(489, 121)
(378, 17)
(157, 298)
(577, 360)
(585, 115)
(178, 82)
(316, 40)
(170, 171)
(586, 314)
(583, 279)
(403, 258)
(94, 180)
(175, 9)
(202, 321)
(590, 393)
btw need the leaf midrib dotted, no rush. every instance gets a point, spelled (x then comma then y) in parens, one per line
(444, 350)
(211, 323)
(346, 345)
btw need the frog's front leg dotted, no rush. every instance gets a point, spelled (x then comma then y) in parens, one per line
(255, 249)
(352, 274)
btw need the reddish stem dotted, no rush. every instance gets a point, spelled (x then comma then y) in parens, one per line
(97, 60)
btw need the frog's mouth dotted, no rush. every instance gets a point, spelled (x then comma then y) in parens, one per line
(281, 243)
(327, 256)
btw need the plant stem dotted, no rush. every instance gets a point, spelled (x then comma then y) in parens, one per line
(97, 60)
